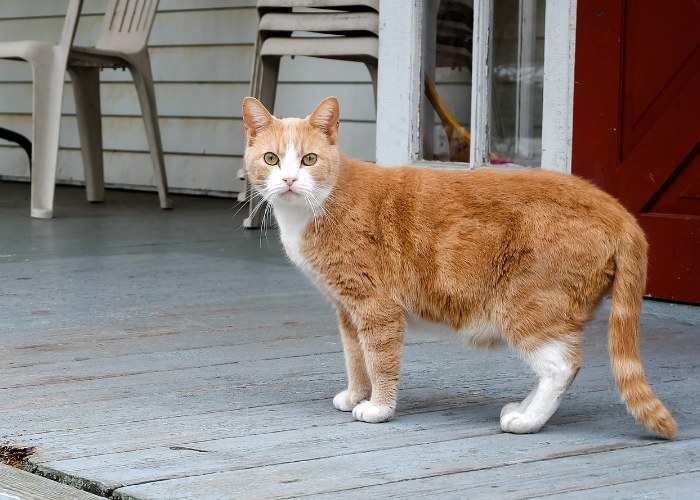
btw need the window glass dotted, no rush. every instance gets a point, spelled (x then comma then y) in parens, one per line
(447, 80)
(517, 52)
(516, 81)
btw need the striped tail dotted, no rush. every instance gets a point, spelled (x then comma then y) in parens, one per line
(627, 292)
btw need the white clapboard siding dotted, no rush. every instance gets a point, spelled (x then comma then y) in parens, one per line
(202, 56)
(209, 99)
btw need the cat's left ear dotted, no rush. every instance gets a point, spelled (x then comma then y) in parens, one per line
(255, 117)
(326, 116)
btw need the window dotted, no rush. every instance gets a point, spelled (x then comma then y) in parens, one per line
(476, 82)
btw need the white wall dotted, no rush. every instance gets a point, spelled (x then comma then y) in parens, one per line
(201, 52)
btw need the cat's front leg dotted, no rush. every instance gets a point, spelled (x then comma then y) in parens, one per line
(381, 338)
(359, 385)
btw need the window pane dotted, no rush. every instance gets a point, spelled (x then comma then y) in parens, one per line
(447, 66)
(517, 52)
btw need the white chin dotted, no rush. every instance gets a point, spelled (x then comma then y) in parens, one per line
(290, 197)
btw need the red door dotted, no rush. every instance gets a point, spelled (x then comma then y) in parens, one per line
(637, 125)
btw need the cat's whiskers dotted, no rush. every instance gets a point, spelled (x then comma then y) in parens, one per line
(249, 196)
(260, 203)
(309, 202)
(323, 210)
(313, 214)
(243, 204)
(328, 216)
(264, 224)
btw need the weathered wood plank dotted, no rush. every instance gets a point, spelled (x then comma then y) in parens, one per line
(680, 484)
(16, 484)
(480, 391)
(393, 466)
(168, 348)
(653, 471)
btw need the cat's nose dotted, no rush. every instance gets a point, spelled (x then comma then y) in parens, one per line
(289, 180)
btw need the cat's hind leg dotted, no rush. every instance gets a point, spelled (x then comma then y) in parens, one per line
(359, 385)
(519, 406)
(556, 364)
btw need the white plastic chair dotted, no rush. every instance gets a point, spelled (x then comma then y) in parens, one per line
(331, 29)
(48, 62)
(121, 44)
(343, 30)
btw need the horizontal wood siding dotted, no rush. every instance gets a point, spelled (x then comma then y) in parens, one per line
(202, 55)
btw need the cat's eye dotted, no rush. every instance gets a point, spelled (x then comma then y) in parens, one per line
(309, 159)
(271, 158)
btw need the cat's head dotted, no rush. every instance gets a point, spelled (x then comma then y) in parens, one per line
(292, 160)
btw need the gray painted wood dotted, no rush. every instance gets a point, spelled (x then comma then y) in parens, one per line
(149, 354)
(17, 484)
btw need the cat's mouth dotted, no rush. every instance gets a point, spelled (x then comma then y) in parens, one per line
(289, 194)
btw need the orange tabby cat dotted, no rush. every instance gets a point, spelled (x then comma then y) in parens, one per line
(523, 258)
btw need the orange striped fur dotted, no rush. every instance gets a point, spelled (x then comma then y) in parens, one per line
(516, 257)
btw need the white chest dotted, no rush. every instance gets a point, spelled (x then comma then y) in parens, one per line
(292, 222)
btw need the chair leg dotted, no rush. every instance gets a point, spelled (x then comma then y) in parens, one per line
(21, 141)
(372, 67)
(264, 88)
(86, 91)
(265, 81)
(143, 79)
(48, 95)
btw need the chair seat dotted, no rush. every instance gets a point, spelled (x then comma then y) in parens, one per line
(347, 48)
(345, 5)
(321, 22)
(90, 56)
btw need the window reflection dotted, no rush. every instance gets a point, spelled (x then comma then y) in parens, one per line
(517, 52)
(517, 56)
(448, 63)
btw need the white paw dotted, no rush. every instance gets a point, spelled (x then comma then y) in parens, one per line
(520, 423)
(343, 401)
(369, 412)
(509, 408)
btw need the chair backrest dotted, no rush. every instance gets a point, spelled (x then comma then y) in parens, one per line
(69, 26)
(126, 25)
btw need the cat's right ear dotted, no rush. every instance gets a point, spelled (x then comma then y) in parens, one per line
(255, 117)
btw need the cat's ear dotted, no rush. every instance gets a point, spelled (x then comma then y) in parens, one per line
(255, 117)
(325, 117)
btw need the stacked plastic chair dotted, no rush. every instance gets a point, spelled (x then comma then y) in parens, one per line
(330, 29)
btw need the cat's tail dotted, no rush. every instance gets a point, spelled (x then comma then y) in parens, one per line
(627, 291)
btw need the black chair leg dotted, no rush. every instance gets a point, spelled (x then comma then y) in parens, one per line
(22, 141)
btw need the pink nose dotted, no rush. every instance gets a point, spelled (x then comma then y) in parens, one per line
(289, 180)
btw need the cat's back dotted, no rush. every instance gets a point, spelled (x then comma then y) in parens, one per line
(432, 215)
(487, 192)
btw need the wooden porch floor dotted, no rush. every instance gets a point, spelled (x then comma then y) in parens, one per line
(161, 355)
